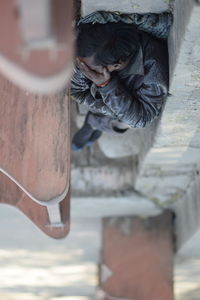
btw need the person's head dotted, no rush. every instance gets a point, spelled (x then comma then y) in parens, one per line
(106, 45)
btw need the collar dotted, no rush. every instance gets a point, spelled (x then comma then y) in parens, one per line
(135, 66)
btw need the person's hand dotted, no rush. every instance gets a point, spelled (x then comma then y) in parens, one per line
(97, 78)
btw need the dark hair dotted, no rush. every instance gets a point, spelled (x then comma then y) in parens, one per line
(109, 43)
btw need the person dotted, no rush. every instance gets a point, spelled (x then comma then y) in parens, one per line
(121, 75)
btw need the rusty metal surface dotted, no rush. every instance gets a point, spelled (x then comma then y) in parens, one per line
(35, 139)
(36, 42)
(137, 258)
(35, 151)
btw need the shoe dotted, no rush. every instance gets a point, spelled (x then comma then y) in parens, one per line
(86, 136)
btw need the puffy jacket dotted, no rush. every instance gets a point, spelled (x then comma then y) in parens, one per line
(136, 94)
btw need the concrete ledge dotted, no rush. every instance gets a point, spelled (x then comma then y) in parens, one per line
(182, 11)
(127, 205)
(170, 174)
(136, 141)
(128, 6)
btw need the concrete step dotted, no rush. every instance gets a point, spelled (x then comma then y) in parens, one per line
(127, 6)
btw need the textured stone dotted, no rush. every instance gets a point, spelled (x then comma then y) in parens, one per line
(170, 174)
(128, 6)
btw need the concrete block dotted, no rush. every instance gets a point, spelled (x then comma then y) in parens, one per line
(164, 190)
(136, 141)
(173, 156)
(179, 190)
(127, 205)
(100, 180)
(187, 211)
(170, 171)
(182, 11)
(127, 144)
(127, 6)
(137, 258)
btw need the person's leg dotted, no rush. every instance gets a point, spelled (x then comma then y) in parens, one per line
(87, 134)
(92, 129)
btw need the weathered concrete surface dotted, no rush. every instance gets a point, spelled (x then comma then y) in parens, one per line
(170, 176)
(181, 12)
(126, 205)
(112, 179)
(128, 6)
(36, 267)
(171, 168)
(187, 270)
(133, 142)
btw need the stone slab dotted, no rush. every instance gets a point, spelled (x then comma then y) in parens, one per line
(128, 6)
(136, 141)
(108, 180)
(187, 271)
(182, 11)
(124, 205)
(171, 168)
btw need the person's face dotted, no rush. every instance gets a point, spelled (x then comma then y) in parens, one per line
(89, 61)
(117, 66)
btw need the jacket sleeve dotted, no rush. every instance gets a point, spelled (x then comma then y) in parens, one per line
(138, 106)
(80, 88)
(81, 91)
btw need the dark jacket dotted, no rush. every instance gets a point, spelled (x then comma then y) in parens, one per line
(134, 95)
